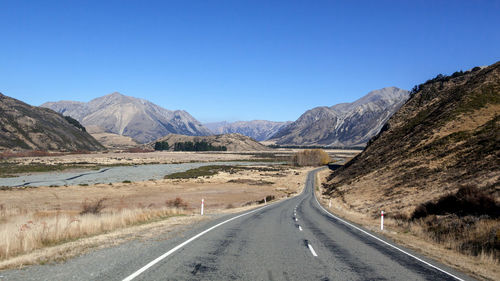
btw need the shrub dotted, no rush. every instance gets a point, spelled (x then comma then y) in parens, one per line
(176, 203)
(468, 201)
(162, 145)
(268, 199)
(93, 207)
(311, 157)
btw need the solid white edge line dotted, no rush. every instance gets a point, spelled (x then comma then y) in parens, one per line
(312, 250)
(387, 243)
(155, 261)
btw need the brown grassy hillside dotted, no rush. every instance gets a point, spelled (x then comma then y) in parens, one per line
(26, 127)
(445, 138)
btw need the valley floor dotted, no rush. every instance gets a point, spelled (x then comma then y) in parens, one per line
(47, 224)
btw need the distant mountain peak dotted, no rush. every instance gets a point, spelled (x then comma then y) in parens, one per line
(259, 130)
(140, 119)
(344, 124)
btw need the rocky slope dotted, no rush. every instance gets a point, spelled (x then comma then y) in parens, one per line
(346, 124)
(26, 127)
(233, 142)
(445, 137)
(259, 130)
(128, 116)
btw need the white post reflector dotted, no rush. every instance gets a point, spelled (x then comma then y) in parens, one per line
(265, 200)
(202, 203)
(382, 220)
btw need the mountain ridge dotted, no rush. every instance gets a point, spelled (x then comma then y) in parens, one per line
(344, 124)
(138, 118)
(26, 127)
(259, 130)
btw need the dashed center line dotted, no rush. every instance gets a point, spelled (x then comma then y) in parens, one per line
(312, 250)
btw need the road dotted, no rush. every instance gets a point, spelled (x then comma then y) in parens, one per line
(294, 239)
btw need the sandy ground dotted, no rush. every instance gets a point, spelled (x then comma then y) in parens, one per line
(127, 158)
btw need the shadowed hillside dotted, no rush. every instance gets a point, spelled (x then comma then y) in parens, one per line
(23, 126)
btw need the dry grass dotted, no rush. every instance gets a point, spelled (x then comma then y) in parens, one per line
(24, 231)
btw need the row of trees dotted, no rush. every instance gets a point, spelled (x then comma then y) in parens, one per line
(197, 146)
(311, 157)
(162, 145)
(189, 146)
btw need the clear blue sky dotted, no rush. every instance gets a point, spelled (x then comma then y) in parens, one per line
(237, 60)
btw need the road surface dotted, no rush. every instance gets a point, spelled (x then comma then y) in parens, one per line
(293, 239)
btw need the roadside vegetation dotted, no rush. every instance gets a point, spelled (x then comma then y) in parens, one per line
(25, 230)
(466, 221)
(311, 157)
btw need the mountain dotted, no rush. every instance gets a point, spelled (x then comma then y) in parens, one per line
(345, 124)
(233, 142)
(259, 130)
(446, 137)
(139, 119)
(23, 126)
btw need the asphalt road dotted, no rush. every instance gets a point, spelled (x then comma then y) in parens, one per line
(293, 239)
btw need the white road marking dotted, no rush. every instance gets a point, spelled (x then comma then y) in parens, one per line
(300, 228)
(296, 219)
(312, 250)
(147, 266)
(387, 243)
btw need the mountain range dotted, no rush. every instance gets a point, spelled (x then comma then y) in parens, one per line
(26, 127)
(345, 124)
(259, 130)
(137, 118)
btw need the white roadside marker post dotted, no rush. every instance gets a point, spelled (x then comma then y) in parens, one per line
(265, 200)
(330, 203)
(382, 220)
(202, 203)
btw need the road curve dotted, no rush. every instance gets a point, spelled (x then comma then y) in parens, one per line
(295, 239)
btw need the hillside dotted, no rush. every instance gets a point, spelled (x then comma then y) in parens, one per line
(259, 130)
(345, 124)
(233, 142)
(26, 127)
(438, 155)
(139, 119)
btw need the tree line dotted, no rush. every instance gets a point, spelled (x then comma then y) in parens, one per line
(189, 146)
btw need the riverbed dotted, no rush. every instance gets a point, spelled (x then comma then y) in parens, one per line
(110, 174)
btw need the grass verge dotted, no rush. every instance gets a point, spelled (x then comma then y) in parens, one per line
(23, 232)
